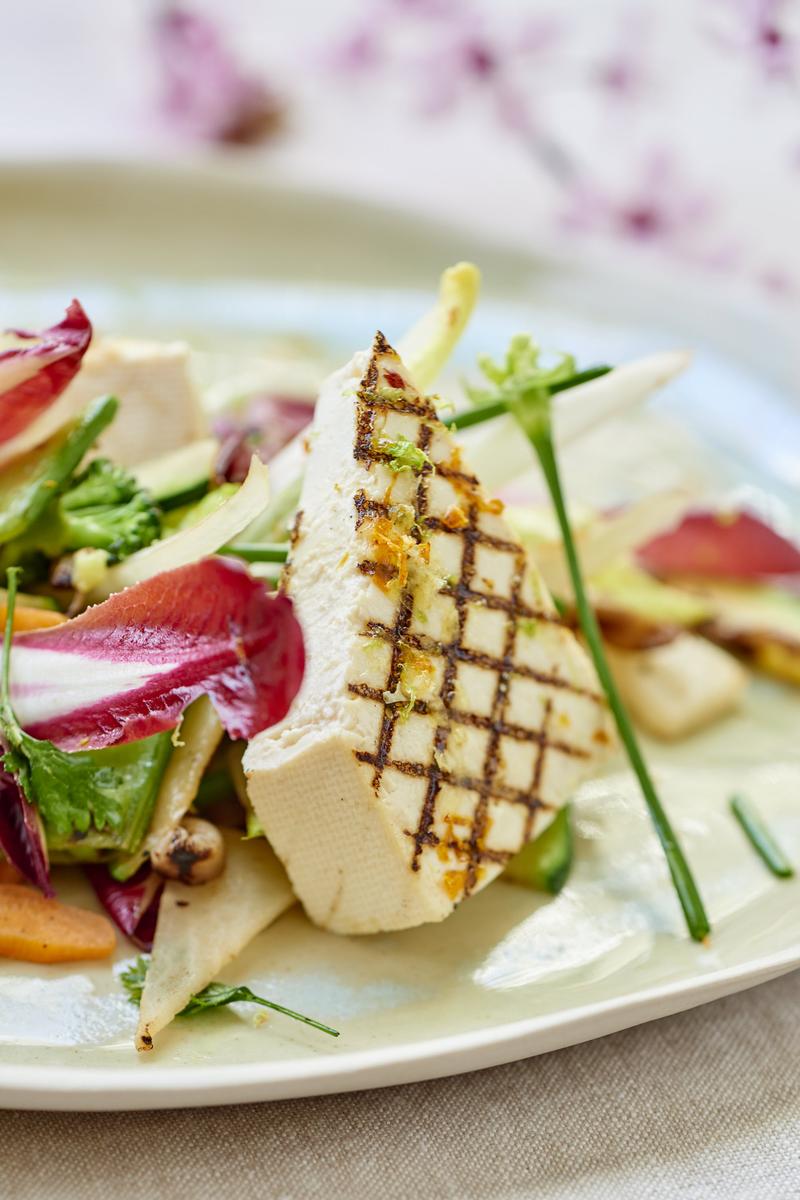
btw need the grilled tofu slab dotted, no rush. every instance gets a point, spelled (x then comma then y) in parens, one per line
(446, 711)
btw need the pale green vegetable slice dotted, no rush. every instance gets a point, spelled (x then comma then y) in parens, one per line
(199, 735)
(200, 929)
(428, 345)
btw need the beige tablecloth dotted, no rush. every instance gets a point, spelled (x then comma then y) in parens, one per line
(702, 1106)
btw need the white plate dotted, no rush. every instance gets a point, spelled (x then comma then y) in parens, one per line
(509, 974)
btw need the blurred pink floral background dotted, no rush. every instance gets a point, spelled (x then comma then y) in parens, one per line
(666, 131)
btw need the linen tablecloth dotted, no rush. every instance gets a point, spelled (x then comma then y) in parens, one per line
(701, 1106)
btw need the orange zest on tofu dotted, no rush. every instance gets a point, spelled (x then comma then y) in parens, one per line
(33, 929)
(454, 883)
(391, 548)
(32, 618)
(455, 518)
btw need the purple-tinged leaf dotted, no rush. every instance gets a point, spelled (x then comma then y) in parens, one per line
(127, 668)
(20, 835)
(268, 424)
(132, 905)
(32, 377)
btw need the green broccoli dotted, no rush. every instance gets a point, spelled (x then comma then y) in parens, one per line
(103, 508)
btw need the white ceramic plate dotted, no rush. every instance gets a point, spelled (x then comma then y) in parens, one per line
(509, 974)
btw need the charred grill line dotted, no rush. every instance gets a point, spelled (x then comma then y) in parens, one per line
(488, 600)
(463, 593)
(369, 403)
(477, 658)
(385, 571)
(485, 539)
(367, 509)
(491, 762)
(538, 769)
(294, 538)
(464, 783)
(390, 714)
(424, 835)
(446, 692)
(519, 733)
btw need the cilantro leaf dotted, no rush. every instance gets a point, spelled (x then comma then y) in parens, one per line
(214, 995)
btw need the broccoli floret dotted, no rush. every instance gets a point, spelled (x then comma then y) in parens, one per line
(103, 508)
(106, 509)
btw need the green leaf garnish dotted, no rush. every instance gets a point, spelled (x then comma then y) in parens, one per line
(524, 388)
(403, 455)
(93, 802)
(761, 838)
(215, 995)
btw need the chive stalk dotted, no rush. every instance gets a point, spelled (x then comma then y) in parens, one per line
(525, 388)
(252, 552)
(761, 838)
(496, 408)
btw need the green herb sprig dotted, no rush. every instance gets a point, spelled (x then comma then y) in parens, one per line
(215, 995)
(524, 387)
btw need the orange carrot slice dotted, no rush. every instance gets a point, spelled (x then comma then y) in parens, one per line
(37, 930)
(32, 618)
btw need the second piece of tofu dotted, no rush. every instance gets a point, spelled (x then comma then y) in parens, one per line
(159, 408)
(678, 688)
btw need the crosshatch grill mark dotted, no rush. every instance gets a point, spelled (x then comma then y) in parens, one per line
(487, 787)
(294, 538)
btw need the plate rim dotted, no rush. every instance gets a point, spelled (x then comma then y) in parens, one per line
(22, 1084)
(75, 1087)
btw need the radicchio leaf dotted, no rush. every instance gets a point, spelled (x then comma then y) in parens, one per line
(128, 667)
(20, 835)
(267, 425)
(32, 377)
(133, 905)
(721, 546)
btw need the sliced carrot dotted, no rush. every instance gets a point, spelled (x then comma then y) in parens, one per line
(37, 930)
(9, 874)
(32, 618)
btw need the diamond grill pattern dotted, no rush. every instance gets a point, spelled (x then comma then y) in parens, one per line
(374, 401)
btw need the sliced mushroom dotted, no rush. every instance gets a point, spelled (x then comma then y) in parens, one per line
(193, 852)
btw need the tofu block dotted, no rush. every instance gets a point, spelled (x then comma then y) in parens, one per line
(446, 712)
(678, 688)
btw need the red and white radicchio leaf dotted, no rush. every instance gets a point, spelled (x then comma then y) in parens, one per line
(721, 546)
(32, 377)
(128, 667)
(21, 835)
(132, 905)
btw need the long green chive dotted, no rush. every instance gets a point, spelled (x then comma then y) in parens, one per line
(520, 384)
(496, 408)
(761, 838)
(274, 552)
